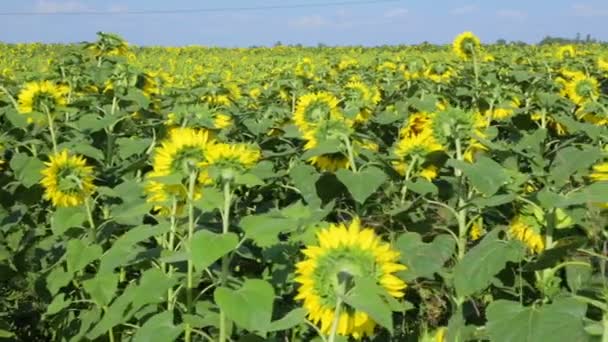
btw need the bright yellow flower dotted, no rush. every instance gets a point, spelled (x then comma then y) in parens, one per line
(67, 180)
(367, 97)
(566, 51)
(351, 251)
(582, 89)
(466, 45)
(235, 156)
(35, 96)
(600, 172)
(312, 109)
(221, 121)
(504, 110)
(522, 230)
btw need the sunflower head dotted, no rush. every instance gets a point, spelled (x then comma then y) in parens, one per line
(67, 180)
(343, 254)
(439, 72)
(452, 124)
(504, 110)
(466, 45)
(329, 133)
(581, 89)
(230, 159)
(182, 152)
(315, 108)
(362, 96)
(41, 96)
(526, 229)
(565, 52)
(600, 172)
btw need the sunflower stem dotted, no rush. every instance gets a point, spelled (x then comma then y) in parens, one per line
(171, 246)
(351, 154)
(408, 174)
(13, 101)
(462, 212)
(92, 233)
(225, 260)
(51, 128)
(334, 325)
(190, 266)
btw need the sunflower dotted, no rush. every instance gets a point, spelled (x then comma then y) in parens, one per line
(602, 63)
(366, 97)
(67, 180)
(559, 129)
(222, 121)
(345, 251)
(466, 45)
(314, 108)
(504, 110)
(180, 154)
(330, 132)
(525, 229)
(35, 96)
(480, 124)
(581, 89)
(223, 95)
(415, 149)
(600, 172)
(477, 230)
(238, 157)
(305, 68)
(566, 51)
(439, 73)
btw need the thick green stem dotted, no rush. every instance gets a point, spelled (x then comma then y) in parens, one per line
(408, 174)
(225, 259)
(170, 247)
(334, 326)
(89, 210)
(51, 129)
(461, 210)
(351, 154)
(605, 323)
(190, 266)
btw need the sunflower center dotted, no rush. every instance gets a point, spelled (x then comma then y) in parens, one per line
(584, 89)
(336, 270)
(187, 160)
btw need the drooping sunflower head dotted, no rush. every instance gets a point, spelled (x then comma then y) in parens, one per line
(364, 97)
(439, 72)
(565, 52)
(466, 45)
(182, 152)
(527, 230)
(315, 108)
(67, 180)
(581, 89)
(343, 253)
(231, 158)
(453, 124)
(40, 96)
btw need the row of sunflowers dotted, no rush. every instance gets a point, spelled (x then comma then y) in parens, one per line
(422, 193)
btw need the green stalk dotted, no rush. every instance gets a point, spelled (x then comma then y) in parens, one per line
(462, 212)
(170, 247)
(51, 128)
(408, 174)
(225, 260)
(605, 323)
(92, 233)
(190, 266)
(351, 154)
(334, 326)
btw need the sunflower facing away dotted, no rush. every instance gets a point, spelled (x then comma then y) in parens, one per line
(353, 251)
(466, 45)
(237, 157)
(67, 180)
(180, 154)
(525, 229)
(314, 108)
(582, 88)
(35, 95)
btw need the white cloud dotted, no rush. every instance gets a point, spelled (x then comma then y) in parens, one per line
(50, 6)
(464, 10)
(584, 10)
(512, 14)
(396, 13)
(309, 22)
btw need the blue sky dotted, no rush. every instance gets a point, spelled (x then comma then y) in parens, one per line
(409, 22)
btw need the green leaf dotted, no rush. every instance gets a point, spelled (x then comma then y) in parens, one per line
(208, 247)
(212, 199)
(424, 259)
(305, 177)
(78, 255)
(250, 307)
(365, 296)
(486, 175)
(102, 287)
(66, 218)
(131, 146)
(264, 229)
(59, 303)
(291, 319)
(57, 279)
(571, 160)
(560, 321)
(494, 201)
(479, 266)
(591, 194)
(27, 169)
(93, 123)
(152, 288)
(363, 183)
(422, 187)
(158, 328)
(248, 179)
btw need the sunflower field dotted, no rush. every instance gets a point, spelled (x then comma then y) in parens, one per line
(405, 193)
